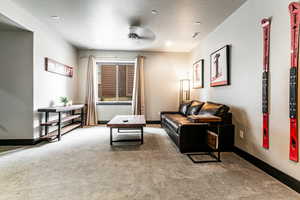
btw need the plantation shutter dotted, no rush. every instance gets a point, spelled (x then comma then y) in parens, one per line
(108, 80)
(129, 80)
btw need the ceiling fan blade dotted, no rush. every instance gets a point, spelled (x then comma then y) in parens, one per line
(147, 38)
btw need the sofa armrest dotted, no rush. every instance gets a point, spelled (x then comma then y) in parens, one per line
(169, 112)
(193, 126)
(227, 118)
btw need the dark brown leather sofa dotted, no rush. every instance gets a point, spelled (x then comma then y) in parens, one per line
(188, 126)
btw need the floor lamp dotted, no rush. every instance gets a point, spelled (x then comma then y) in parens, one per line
(185, 90)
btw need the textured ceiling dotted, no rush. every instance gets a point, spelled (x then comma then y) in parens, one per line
(104, 24)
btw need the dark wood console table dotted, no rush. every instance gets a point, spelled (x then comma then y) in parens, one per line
(71, 117)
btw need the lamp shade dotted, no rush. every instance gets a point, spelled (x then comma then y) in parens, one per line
(185, 84)
(184, 93)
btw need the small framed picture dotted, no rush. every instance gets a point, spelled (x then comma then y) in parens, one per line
(58, 68)
(219, 67)
(198, 74)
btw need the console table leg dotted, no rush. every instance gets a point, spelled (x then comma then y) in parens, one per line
(142, 135)
(59, 126)
(110, 136)
(72, 113)
(46, 120)
(219, 150)
(82, 117)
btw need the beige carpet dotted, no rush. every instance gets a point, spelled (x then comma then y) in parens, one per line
(84, 166)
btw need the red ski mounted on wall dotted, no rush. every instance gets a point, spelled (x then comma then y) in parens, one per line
(294, 9)
(266, 24)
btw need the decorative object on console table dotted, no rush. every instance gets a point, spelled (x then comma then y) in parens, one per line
(198, 74)
(61, 129)
(219, 67)
(185, 91)
(294, 9)
(58, 68)
(266, 24)
(66, 101)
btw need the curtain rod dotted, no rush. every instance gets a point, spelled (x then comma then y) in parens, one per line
(110, 57)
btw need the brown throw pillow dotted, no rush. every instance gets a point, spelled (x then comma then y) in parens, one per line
(214, 109)
(194, 108)
(205, 118)
(183, 108)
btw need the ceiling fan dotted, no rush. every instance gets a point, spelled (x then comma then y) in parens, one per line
(141, 34)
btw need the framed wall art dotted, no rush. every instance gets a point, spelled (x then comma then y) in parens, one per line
(58, 68)
(219, 67)
(198, 74)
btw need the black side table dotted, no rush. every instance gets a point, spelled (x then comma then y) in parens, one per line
(211, 137)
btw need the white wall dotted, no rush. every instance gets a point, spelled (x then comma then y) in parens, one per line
(48, 86)
(16, 84)
(107, 112)
(47, 43)
(162, 74)
(243, 32)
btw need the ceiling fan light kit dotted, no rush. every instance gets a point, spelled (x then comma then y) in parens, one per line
(141, 34)
(195, 35)
(133, 36)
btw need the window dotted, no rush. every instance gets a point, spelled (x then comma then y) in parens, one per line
(115, 81)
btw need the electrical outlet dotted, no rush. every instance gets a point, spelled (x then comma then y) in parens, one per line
(242, 134)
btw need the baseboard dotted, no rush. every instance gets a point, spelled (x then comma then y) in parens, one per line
(103, 122)
(148, 122)
(19, 142)
(153, 122)
(279, 175)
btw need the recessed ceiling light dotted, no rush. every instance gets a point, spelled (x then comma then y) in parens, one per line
(154, 12)
(55, 17)
(196, 34)
(169, 43)
(197, 22)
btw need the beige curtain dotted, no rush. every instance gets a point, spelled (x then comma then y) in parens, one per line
(91, 93)
(138, 97)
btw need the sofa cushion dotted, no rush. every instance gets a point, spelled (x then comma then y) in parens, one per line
(194, 108)
(214, 109)
(174, 121)
(183, 108)
(204, 118)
